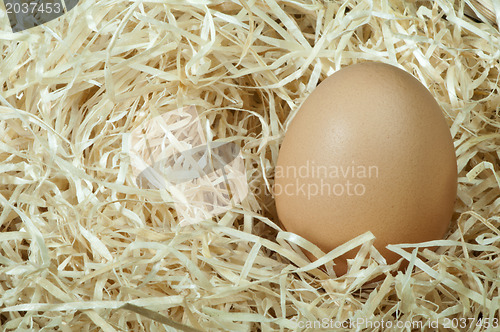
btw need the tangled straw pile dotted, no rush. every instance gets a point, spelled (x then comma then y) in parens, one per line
(83, 247)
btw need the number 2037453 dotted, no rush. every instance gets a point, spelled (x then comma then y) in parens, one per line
(33, 8)
(463, 323)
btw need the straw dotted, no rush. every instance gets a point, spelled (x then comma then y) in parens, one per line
(83, 247)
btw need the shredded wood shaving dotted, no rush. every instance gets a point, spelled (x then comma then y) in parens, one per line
(84, 247)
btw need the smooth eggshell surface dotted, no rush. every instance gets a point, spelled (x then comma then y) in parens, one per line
(368, 150)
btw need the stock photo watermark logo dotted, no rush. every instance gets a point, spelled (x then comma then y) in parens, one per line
(27, 14)
(205, 178)
(313, 179)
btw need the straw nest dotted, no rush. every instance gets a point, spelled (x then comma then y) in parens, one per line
(83, 247)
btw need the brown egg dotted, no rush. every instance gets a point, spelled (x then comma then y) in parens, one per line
(368, 150)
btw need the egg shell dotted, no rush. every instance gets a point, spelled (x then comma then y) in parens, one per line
(368, 150)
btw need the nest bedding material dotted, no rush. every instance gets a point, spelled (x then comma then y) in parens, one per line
(83, 247)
